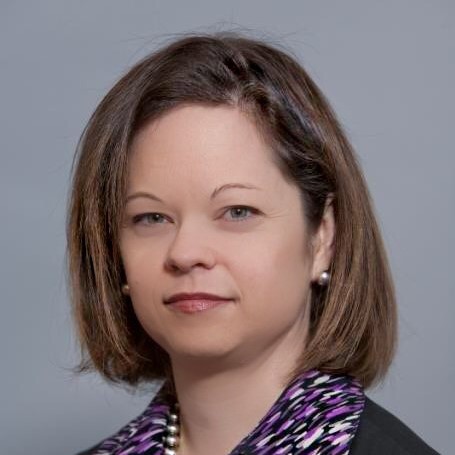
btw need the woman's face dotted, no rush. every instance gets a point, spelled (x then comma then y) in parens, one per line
(196, 239)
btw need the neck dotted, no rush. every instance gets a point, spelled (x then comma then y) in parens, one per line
(220, 406)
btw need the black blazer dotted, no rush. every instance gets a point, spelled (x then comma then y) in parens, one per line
(379, 433)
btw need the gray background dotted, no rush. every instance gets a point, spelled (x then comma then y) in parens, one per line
(388, 69)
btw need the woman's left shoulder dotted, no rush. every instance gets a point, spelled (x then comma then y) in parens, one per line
(380, 432)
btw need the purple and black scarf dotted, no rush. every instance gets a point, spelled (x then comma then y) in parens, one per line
(317, 413)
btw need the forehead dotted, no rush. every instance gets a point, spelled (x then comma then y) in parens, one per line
(195, 141)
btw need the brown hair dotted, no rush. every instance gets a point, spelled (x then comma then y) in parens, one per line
(353, 320)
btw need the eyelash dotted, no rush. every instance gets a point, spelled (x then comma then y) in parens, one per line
(140, 217)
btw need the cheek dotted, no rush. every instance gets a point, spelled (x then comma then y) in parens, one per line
(140, 260)
(146, 300)
(277, 276)
(142, 268)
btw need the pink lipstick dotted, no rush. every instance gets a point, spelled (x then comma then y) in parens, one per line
(194, 306)
(195, 302)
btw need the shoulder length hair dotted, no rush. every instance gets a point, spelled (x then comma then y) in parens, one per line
(353, 327)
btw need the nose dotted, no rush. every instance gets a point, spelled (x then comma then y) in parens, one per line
(190, 247)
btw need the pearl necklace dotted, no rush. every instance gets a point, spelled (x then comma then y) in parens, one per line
(171, 440)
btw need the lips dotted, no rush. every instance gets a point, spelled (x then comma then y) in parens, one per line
(194, 296)
(195, 302)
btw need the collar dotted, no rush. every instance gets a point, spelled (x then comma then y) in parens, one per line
(317, 412)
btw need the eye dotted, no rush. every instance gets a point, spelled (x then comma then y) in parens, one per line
(157, 218)
(153, 216)
(239, 210)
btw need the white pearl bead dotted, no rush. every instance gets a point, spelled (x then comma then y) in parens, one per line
(172, 441)
(172, 429)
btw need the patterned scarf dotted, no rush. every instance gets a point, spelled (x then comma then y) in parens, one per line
(317, 413)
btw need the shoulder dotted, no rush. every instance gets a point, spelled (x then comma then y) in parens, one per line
(145, 429)
(381, 432)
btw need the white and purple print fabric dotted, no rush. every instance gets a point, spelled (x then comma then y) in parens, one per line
(317, 413)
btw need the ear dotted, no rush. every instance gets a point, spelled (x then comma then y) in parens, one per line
(323, 241)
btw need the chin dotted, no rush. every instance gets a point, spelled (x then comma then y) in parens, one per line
(198, 350)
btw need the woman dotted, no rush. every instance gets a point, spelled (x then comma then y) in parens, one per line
(221, 237)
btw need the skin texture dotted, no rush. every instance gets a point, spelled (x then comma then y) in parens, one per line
(228, 362)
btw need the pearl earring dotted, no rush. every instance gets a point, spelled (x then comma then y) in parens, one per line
(324, 278)
(125, 289)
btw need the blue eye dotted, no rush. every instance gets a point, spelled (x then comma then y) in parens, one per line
(152, 218)
(241, 209)
(153, 215)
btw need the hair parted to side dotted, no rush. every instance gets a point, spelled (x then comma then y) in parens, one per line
(353, 326)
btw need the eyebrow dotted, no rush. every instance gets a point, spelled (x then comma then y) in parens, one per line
(215, 192)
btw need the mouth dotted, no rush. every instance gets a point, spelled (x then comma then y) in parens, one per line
(194, 296)
(195, 302)
(196, 305)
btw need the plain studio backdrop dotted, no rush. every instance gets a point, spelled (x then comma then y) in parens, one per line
(387, 68)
